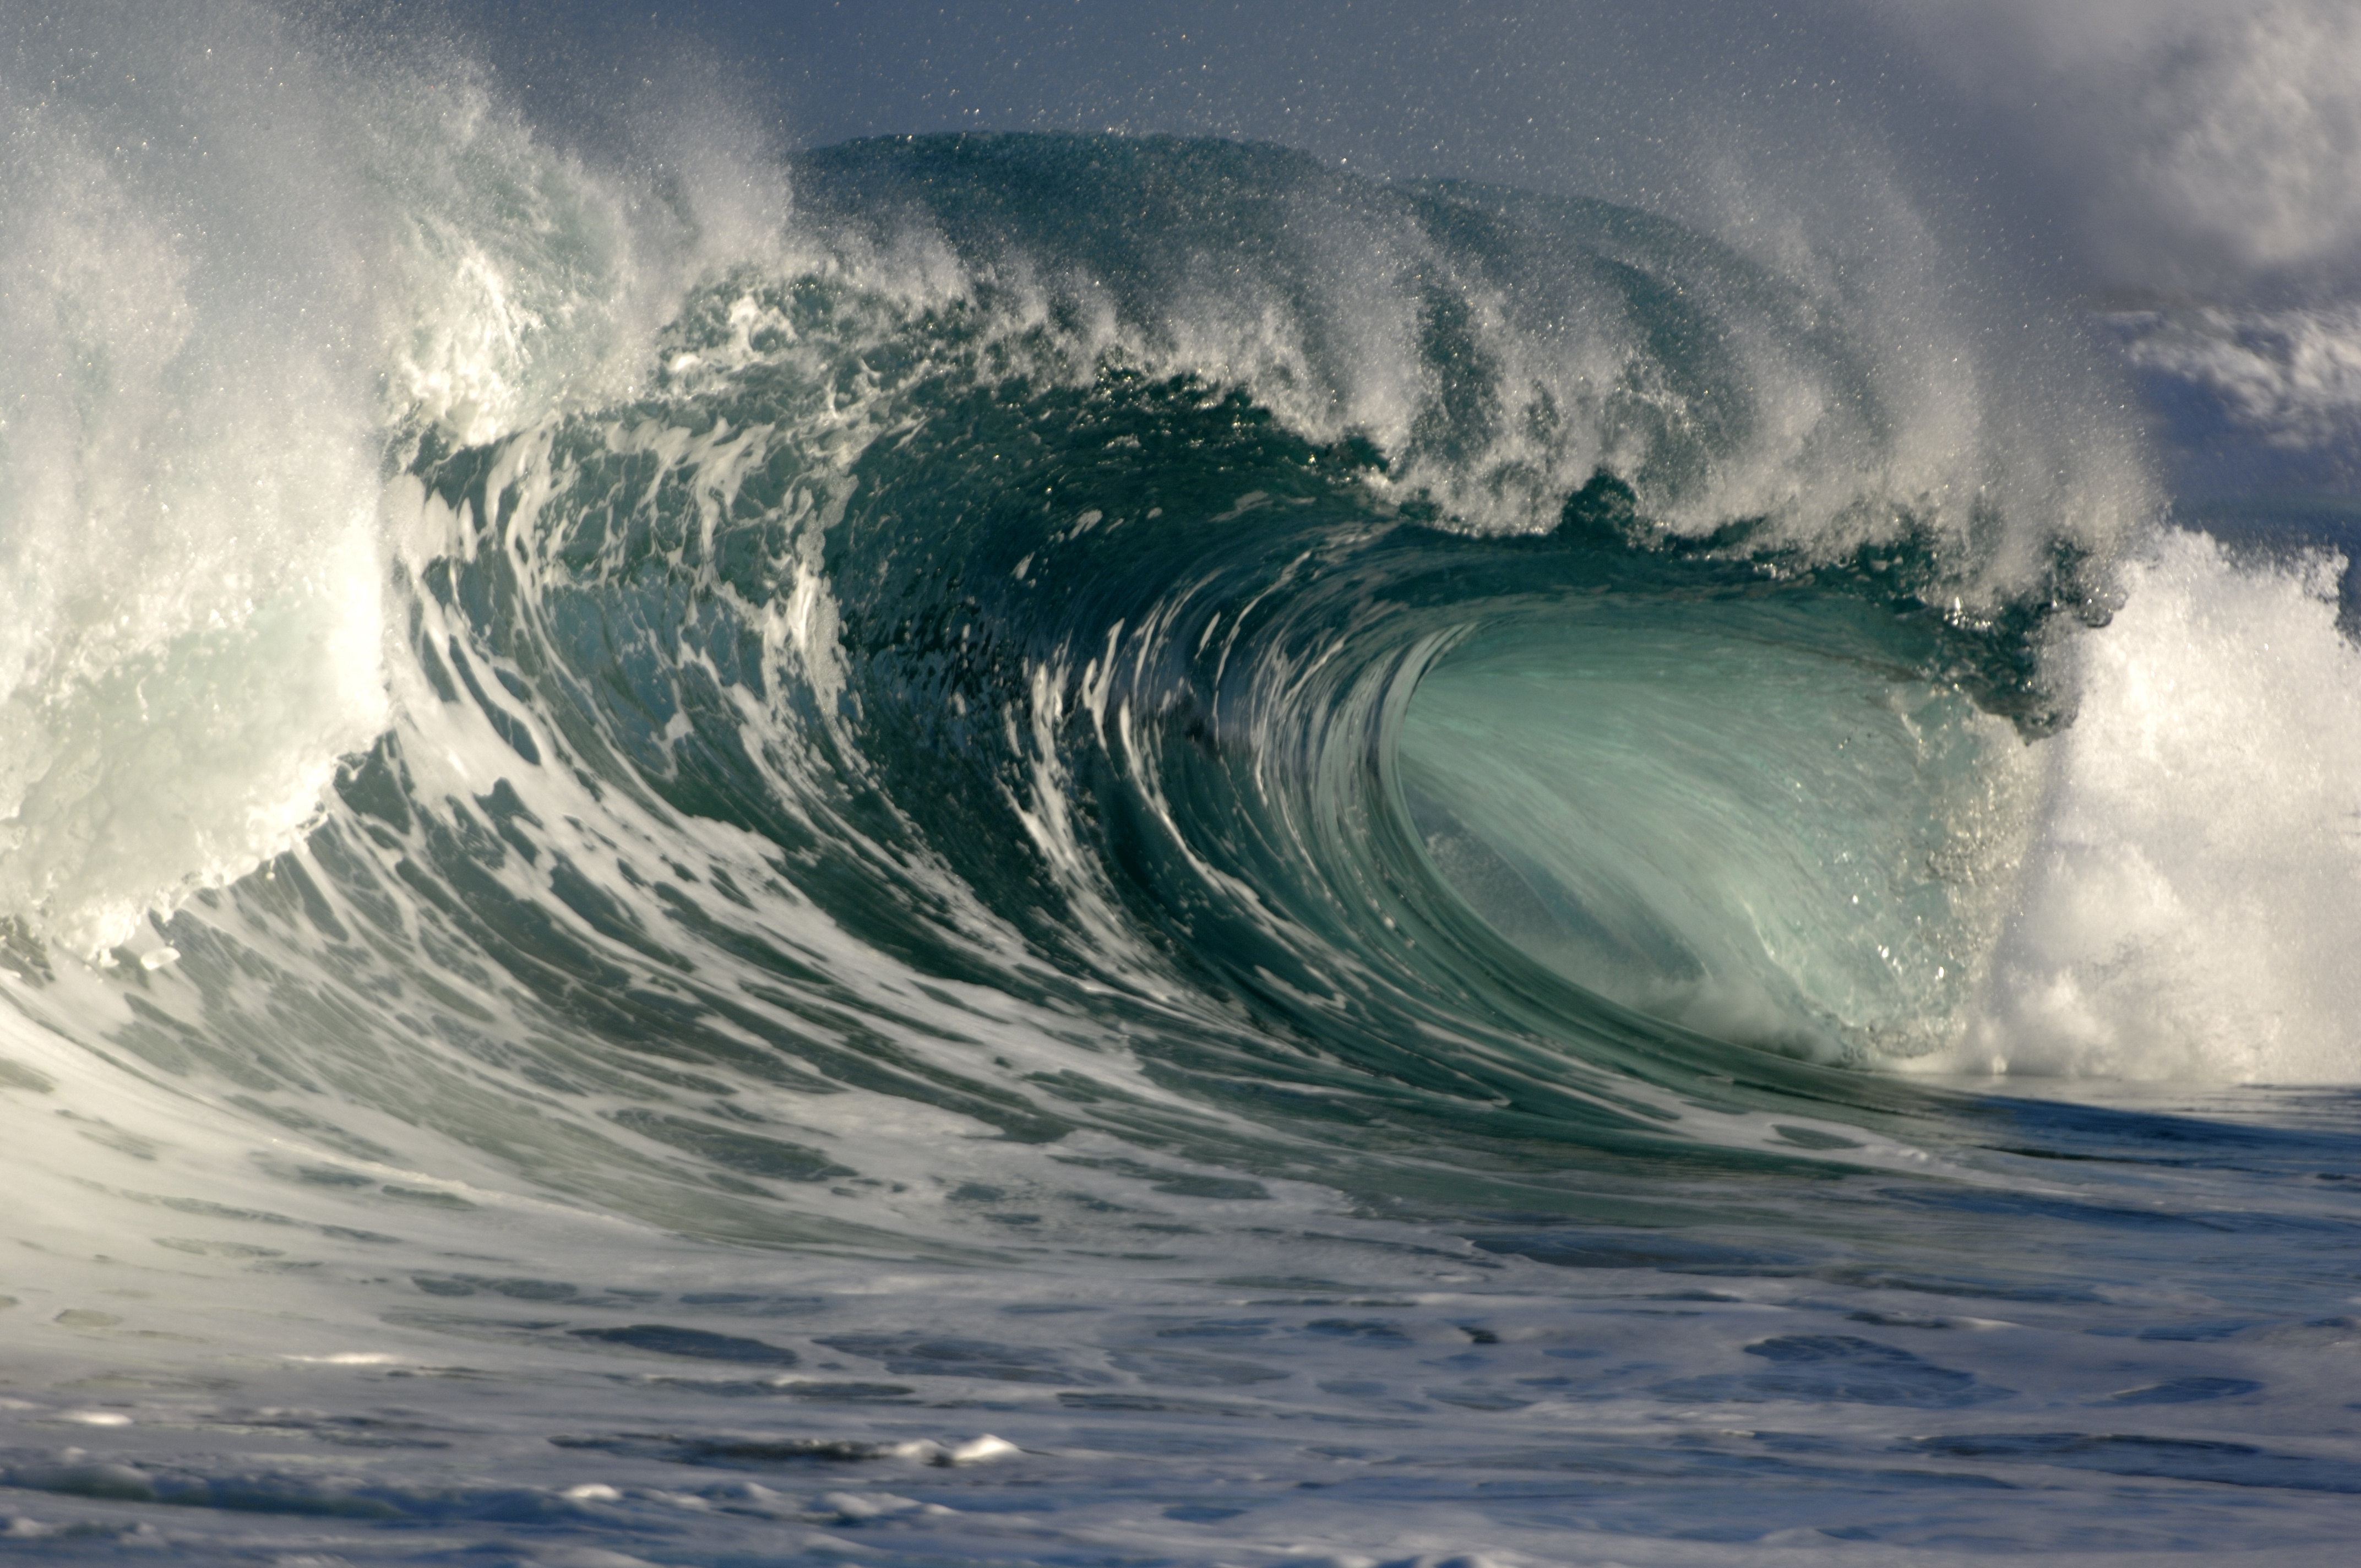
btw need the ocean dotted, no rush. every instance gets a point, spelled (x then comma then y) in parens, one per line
(1069, 848)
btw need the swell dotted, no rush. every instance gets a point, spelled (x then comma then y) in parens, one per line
(966, 696)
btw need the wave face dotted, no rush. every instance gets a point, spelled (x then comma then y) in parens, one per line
(1145, 787)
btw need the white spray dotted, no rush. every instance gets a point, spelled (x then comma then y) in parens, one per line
(238, 266)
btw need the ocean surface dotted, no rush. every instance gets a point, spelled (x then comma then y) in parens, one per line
(1088, 849)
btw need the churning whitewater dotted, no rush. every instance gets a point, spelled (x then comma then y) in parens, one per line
(1078, 849)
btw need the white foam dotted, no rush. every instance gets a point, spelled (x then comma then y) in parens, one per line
(2192, 900)
(239, 265)
(187, 580)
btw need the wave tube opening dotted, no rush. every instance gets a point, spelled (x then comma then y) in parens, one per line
(1747, 818)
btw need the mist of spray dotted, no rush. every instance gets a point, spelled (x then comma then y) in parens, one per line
(244, 262)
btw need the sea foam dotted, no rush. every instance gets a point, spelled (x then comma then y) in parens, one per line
(2192, 898)
(246, 265)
